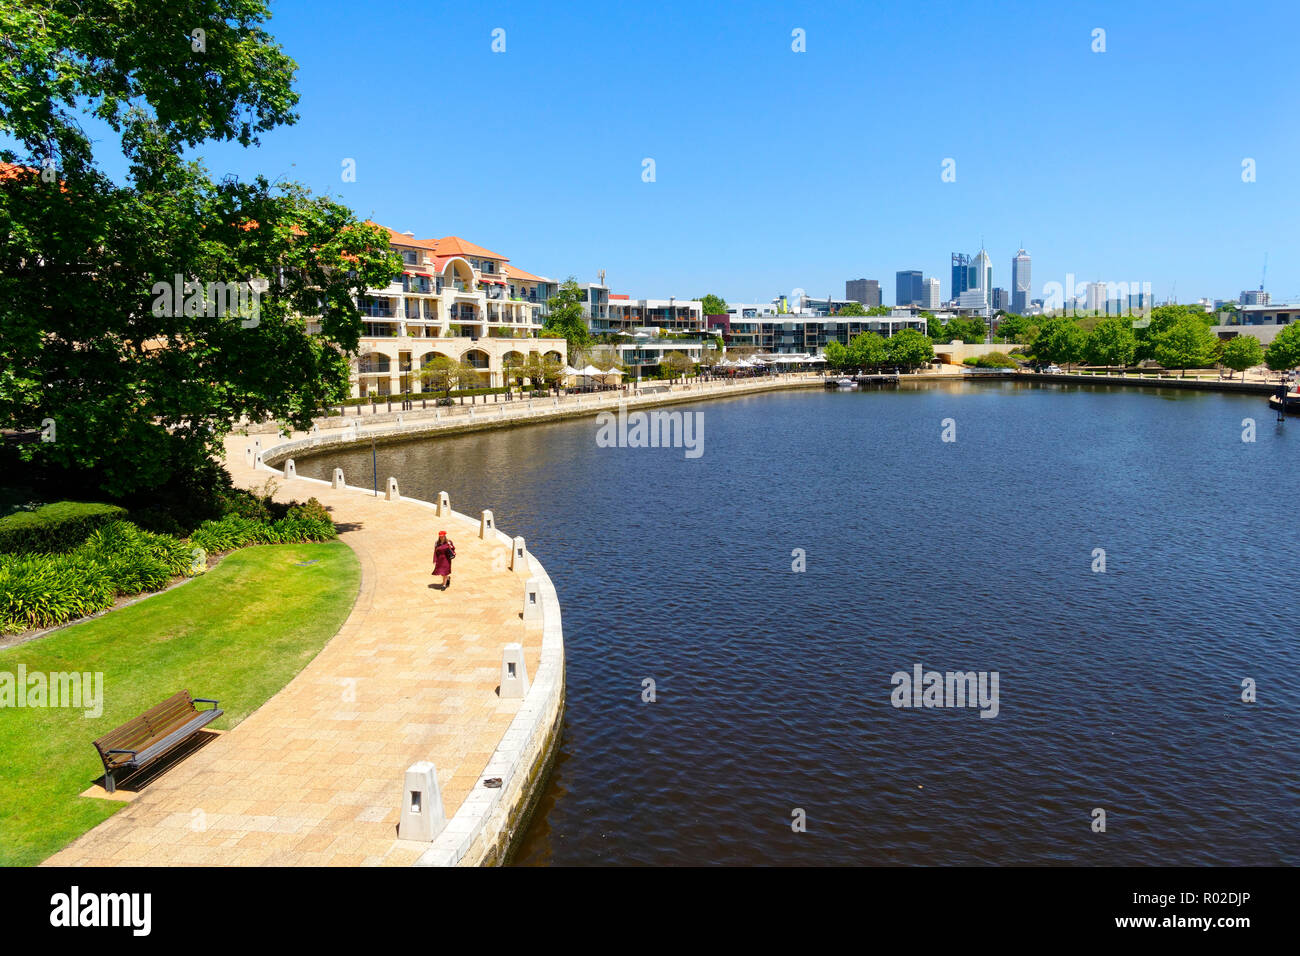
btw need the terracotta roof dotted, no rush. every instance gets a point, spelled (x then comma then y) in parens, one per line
(613, 296)
(12, 170)
(514, 272)
(455, 246)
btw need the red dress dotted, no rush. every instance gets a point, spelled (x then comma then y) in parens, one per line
(442, 555)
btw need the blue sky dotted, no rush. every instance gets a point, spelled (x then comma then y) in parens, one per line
(776, 170)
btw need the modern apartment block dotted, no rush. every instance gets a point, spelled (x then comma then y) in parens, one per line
(1022, 286)
(627, 314)
(1254, 297)
(930, 299)
(907, 287)
(767, 329)
(453, 300)
(863, 291)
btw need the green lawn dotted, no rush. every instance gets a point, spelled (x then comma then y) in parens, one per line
(238, 633)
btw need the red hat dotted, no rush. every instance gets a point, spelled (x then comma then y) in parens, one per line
(443, 533)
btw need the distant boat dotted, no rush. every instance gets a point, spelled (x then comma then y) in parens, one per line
(845, 383)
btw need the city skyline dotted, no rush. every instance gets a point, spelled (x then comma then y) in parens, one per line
(1097, 206)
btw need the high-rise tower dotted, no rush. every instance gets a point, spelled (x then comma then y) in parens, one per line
(1022, 287)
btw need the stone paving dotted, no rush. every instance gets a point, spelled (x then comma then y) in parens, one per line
(314, 777)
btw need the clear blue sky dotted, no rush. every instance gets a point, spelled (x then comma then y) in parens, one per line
(778, 170)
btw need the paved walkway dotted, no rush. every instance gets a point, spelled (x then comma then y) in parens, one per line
(314, 777)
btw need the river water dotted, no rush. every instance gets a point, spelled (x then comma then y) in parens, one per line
(1118, 689)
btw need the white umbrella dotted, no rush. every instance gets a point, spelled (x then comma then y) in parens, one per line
(591, 370)
(613, 371)
(570, 370)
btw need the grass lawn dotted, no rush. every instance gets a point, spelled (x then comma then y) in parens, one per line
(239, 633)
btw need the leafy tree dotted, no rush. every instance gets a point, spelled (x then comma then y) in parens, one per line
(1111, 343)
(713, 304)
(878, 310)
(1284, 351)
(541, 371)
(908, 348)
(1242, 352)
(565, 319)
(937, 331)
(1060, 341)
(442, 374)
(677, 364)
(837, 356)
(867, 349)
(852, 309)
(1162, 319)
(1186, 343)
(142, 392)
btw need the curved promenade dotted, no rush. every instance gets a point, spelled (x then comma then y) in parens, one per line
(315, 777)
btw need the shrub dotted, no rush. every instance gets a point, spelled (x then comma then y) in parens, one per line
(44, 590)
(246, 504)
(230, 532)
(58, 527)
(993, 360)
(312, 508)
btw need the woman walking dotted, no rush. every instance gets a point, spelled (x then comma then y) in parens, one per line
(443, 552)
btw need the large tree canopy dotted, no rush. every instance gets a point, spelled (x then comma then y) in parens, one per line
(141, 372)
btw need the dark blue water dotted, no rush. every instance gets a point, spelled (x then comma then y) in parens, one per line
(1118, 690)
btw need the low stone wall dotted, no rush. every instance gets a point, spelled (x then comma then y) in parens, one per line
(400, 427)
(490, 821)
(1153, 380)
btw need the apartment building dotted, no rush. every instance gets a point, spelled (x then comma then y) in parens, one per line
(455, 300)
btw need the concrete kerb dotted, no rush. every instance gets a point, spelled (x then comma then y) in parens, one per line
(489, 820)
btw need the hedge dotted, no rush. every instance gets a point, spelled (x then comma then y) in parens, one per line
(55, 528)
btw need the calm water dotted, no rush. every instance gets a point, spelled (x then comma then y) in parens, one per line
(1118, 690)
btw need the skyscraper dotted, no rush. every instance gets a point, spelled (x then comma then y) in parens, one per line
(865, 291)
(907, 287)
(982, 269)
(930, 294)
(1096, 296)
(1022, 287)
(961, 274)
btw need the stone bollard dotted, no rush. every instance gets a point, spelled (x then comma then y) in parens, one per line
(248, 456)
(257, 443)
(315, 429)
(392, 494)
(514, 672)
(444, 505)
(437, 414)
(471, 413)
(532, 602)
(422, 814)
(290, 469)
(518, 556)
(486, 524)
(338, 481)
(257, 460)
(399, 420)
